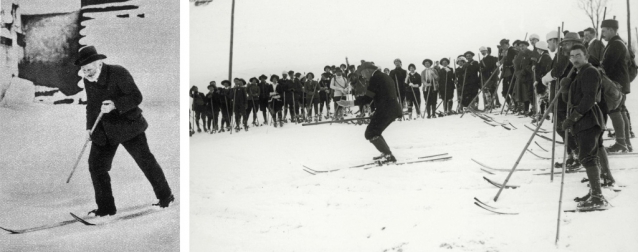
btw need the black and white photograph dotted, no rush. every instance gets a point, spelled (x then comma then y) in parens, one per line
(89, 125)
(412, 125)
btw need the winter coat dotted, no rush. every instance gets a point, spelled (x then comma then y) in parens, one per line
(472, 78)
(615, 62)
(414, 79)
(488, 67)
(524, 77)
(508, 62)
(543, 66)
(240, 98)
(311, 88)
(213, 101)
(264, 91)
(115, 83)
(595, 49)
(446, 83)
(430, 79)
(252, 91)
(398, 75)
(382, 91)
(585, 91)
(199, 100)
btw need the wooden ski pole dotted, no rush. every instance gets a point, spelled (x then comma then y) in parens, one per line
(399, 94)
(77, 161)
(509, 89)
(562, 180)
(553, 103)
(477, 95)
(555, 113)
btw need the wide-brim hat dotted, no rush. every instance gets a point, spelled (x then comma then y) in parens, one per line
(571, 37)
(469, 52)
(444, 59)
(263, 77)
(274, 76)
(542, 45)
(226, 82)
(366, 65)
(524, 42)
(427, 60)
(87, 55)
(310, 73)
(253, 78)
(504, 41)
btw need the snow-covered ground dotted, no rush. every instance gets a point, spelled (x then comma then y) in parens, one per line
(40, 144)
(249, 192)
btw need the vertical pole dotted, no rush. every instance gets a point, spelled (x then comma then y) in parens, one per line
(628, 27)
(232, 32)
(554, 116)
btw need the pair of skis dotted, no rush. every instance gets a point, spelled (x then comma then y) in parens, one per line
(365, 166)
(124, 214)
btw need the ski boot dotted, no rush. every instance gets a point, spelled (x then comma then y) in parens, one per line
(245, 127)
(617, 148)
(631, 133)
(281, 124)
(387, 159)
(593, 202)
(570, 161)
(575, 166)
(103, 212)
(199, 130)
(163, 203)
(237, 129)
(221, 130)
(584, 198)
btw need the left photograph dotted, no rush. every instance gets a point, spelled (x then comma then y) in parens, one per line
(89, 125)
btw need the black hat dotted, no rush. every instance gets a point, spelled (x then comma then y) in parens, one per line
(444, 59)
(469, 52)
(504, 41)
(324, 68)
(313, 75)
(610, 23)
(291, 72)
(516, 42)
(523, 42)
(243, 81)
(427, 60)
(211, 84)
(343, 65)
(298, 74)
(274, 76)
(87, 55)
(338, 70)
(226, 82)
(253, 78)
(581, 34)
(411, 65)
(264, 77)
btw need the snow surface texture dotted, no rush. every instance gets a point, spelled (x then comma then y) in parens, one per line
(20, 92)
(249, 192)
(40, 144)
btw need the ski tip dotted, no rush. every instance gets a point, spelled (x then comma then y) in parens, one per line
(81, 220)
(10, 230)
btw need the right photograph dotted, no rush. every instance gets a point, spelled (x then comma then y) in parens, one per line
(412, 125)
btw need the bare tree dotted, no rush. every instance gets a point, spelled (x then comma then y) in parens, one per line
(201, 2)
(594, 10)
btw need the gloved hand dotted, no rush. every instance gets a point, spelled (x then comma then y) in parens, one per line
(571, 120)
(345, 103)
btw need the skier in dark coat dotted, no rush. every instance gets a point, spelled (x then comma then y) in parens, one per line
(199, 106)
(524, 78)
(112, 92)
(414, 93)
(398, 75)
(507, 61)
(264, 95)
(614, 62)
(240, 103)
(446, 84)
(488, 67)
(585, 121)
(226, 102)
(213, 107)
(252, 104)
(381, 90)
(276, 102)
(540, 69)
(472, 82)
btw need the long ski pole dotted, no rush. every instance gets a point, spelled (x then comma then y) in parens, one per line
(477, 95)
(562, 179)
(212, 107)
(524, 150)
(231, 120)
(509, 89)
(77, 161)
(418, 106)
(399, 94)
(554, 117)
(254, 110)
(445, 93)
(462, 89)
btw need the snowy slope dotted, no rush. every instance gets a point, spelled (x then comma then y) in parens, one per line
(39, 146)
(249, 192)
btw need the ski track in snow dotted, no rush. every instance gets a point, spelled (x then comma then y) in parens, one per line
(249, 192)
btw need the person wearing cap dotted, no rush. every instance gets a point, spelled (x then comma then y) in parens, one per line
(240, 103)
(341, 87)
(614, 63)
(561, 69)
(264, 95)
(472, 82)
(276, 102)
(226, 107)
(430, 80)
(595, 47)
(446, 85)
(585, 122)
(382, 91)
(112, 94)
(252, 105)
(199, 106)
(507, 61)
(488, 67)
(399, 74)
(541, 67)
(212, 107)
(413, 80)
(311, 90)
(325, 93)
(523, 87)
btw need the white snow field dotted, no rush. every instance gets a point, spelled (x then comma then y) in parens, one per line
(249, 192)
(40, 144)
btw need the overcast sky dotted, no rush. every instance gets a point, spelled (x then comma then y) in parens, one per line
(305, 35)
